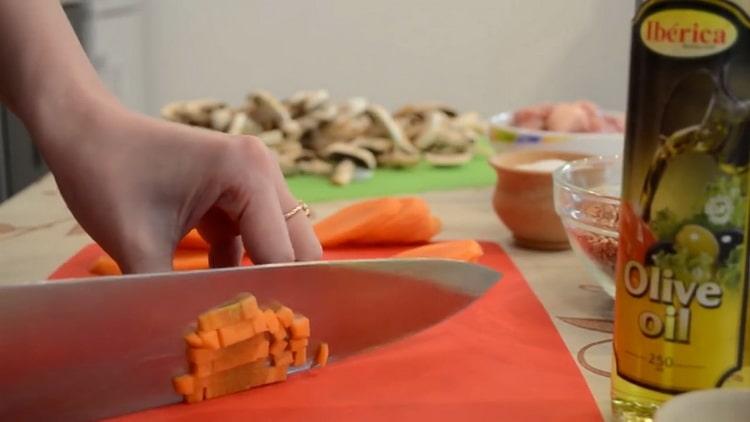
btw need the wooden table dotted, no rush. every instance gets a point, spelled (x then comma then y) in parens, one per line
(38, 233)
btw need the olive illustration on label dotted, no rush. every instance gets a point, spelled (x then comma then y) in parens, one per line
(696, 240)
(728, 240)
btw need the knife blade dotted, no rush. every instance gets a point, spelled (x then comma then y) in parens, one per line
(86, 349)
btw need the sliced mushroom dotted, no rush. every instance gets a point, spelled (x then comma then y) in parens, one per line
(309, 163)
(199, 111)
(425, 108)
(174, 112)
(383, 120)
(243, 125)
(221, 118)
(432, 130)
(268, 111)
(347, 157)
(399, 159)
(354, 107)
(272, 137)
(375, 145)
(448, 160)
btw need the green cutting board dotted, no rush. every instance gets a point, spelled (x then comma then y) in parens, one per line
(422, 178)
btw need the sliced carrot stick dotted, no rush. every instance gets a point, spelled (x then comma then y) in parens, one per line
(276, 374)
(461, 250)
(272, 321)
(356, 220)
(259, 324)
(193, 240)
(234, 380)
(298, 344)
(300, 327)
(285, 316)
(249, 307)
(280, 334)
(236, 333)
(196, 397)
(278, 347)
(201, 369)
(241, 353)
(284, 359)
(300, 356)
(220, 317)
(184, 384)
(193, 340)
(210, 339)
(321, 356)
(200, 356)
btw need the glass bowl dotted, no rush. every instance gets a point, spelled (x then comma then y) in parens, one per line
(587, 199)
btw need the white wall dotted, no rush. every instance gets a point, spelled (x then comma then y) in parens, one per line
(486, 55)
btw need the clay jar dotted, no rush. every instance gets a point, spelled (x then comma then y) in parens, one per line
(523, 198)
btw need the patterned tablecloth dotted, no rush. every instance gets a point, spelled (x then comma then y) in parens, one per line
(38, 233)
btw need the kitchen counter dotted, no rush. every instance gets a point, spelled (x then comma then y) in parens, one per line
(38, 233)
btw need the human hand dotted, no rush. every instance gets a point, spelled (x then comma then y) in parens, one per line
(138, 184)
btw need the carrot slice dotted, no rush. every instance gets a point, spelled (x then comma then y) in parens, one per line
(300, 327)
(241, 353)
(298, 344)
(220, 317)
(236, 333)
(278, 347)
(210, 339)
(276, 374)
(356, 220)
(285, 316)
(285, 358)
(321, 356)
(184, 384)
(412, 224)
(249, 305)
(193, 240)
(234, 380)
(184, 260)
(300, 356)
(461, 250)
(193, 340)
(272, 321)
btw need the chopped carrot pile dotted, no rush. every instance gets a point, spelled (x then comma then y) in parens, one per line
(382, 221)
(461, 250)
(240, 345)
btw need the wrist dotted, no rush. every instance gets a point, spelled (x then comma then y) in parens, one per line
(59, 119)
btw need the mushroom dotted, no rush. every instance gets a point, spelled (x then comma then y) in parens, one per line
(383, 123)
(268, 111)
(243, 125)
(347, 158)
(221, 118)
(198, 112)
(449, 160)
(425, 108)
(432, 130)
(377, 146)
(272, 137)
(309, 163)
(399, 159)
(174, 112)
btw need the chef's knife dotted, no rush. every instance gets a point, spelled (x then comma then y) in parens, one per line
(91, 348)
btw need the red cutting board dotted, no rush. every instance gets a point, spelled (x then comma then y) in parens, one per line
(501, 359)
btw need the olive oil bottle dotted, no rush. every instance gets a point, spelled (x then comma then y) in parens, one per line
(681, 308)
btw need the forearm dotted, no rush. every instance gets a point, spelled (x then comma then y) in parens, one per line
(46, 76)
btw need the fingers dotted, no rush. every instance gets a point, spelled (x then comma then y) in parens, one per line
(305, 243)
(221, 234)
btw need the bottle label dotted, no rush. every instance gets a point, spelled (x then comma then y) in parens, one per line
(682, 279)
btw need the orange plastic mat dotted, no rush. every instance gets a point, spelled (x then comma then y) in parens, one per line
(501, 359)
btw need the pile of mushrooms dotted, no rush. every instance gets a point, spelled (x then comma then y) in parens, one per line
(344, 141)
